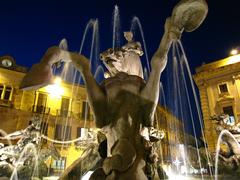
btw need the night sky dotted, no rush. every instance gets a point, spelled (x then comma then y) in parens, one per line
(28, 28)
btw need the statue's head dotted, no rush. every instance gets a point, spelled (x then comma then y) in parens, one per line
(128, 36)
(124, 59)
(113, 60)
(118, 60)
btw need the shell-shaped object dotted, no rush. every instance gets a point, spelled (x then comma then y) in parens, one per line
(189, 14)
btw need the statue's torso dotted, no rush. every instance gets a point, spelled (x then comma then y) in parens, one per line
(123, 106)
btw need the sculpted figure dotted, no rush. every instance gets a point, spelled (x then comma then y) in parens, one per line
(124, 103)
(125, 59)
(229, 149)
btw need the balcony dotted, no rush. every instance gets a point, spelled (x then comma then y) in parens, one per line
(6, 103)
(81, 116)
(40, 109)
(64, 113)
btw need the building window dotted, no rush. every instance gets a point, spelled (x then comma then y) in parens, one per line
(5, 92)
(1, 91)
(79, 130)
(223, 88)
(44, 128)
(63, 133)
(85, 111)
(65, 106)
(41, 103)
(82, 132)
(59, 164)
(230, 120)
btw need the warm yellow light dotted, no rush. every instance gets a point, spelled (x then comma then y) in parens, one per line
(57, 80)
(234, 52)
(234, 59)
(55, 90)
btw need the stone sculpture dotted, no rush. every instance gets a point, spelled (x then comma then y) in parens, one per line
(124, 103)
(125, 59)
(230, 148)
(10, 154)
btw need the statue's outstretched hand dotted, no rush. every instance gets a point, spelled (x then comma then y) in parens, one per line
(173, 31)
(80, 62)
(51, 55)
(55, 54)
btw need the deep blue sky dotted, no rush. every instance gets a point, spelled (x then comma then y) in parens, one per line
(28, 28)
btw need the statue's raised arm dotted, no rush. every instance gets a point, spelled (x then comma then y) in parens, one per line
(187, 16)
(41, 75)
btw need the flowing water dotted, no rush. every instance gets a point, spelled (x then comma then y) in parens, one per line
(178, 100)
(137, 24)
(227, 133)
(116, 40)
(29, 149)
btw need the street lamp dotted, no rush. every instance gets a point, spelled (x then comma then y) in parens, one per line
(234, 52)
(55, 90)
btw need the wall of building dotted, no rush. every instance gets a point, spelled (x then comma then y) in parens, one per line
(17, 111)
(209, 78)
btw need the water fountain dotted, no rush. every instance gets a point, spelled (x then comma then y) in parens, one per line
(25, 159)
(124, 104)
(227, 157)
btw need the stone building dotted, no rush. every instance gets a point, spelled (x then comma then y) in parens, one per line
(219, 88)
(64, 116)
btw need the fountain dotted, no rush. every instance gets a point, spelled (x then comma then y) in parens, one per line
(227, 157)
(25, 159)
(124, 104)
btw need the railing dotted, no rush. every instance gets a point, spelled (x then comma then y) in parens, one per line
(64, 113)
(6, 103)
(40, 109)
(81, 116)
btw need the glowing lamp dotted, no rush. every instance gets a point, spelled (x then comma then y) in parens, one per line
(233, 59)
(55, 90)
(57, 80)
(234, 52)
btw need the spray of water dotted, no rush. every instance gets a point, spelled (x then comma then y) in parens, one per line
(223, 132)
(162, 95)
(116, 27)
(5, 136)
(196, 102)
(136, 23)
(188, 101)
(28, 150)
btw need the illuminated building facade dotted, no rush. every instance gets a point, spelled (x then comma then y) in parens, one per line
(64, 116)
(219, 87)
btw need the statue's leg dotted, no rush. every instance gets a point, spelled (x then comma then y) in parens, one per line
(123, 157)
(98, 174)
